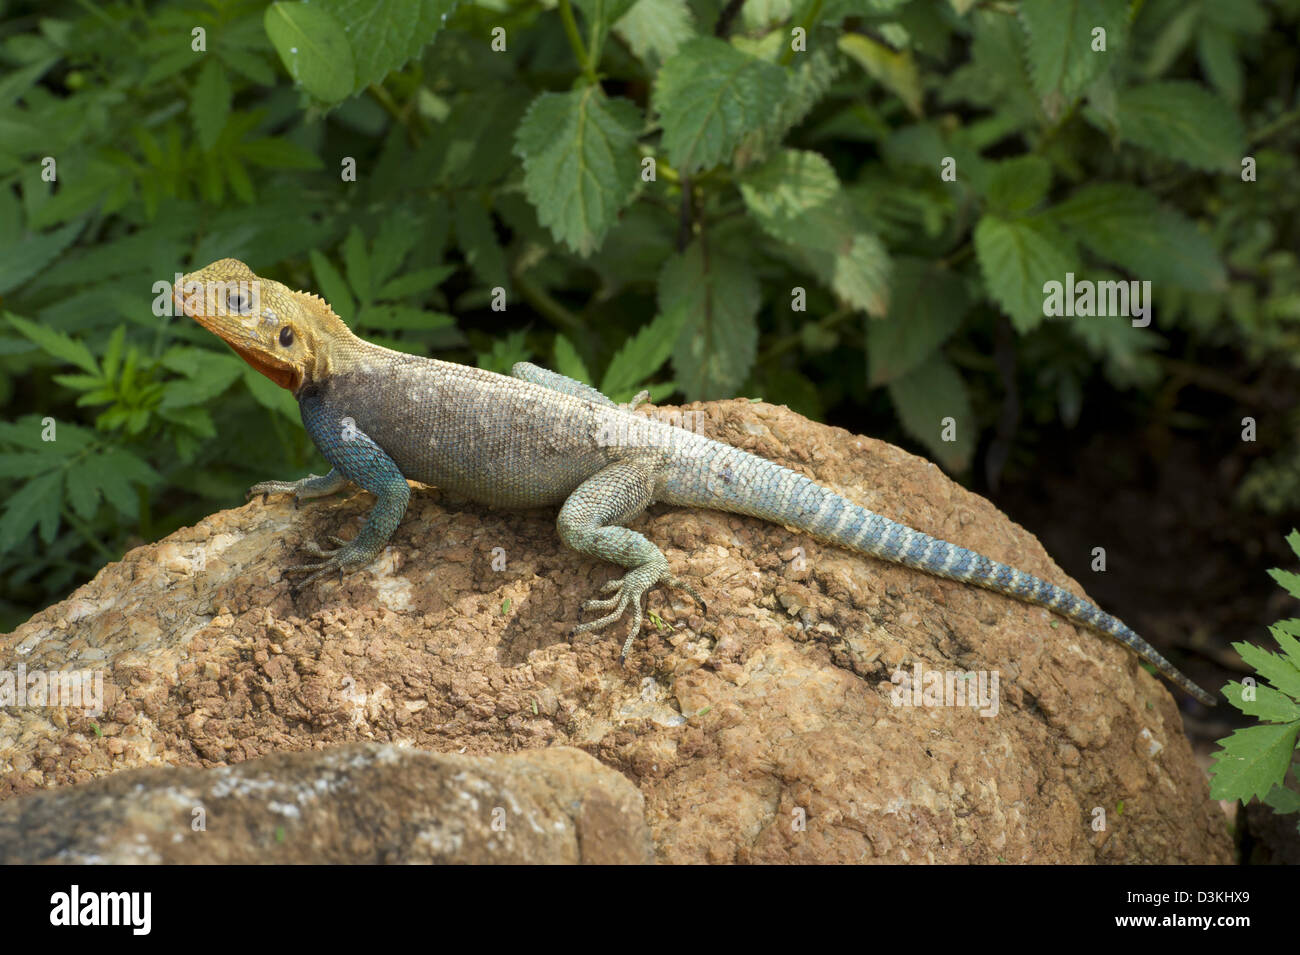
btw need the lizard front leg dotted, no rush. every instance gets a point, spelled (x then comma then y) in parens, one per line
(358, 459)
(589, 522)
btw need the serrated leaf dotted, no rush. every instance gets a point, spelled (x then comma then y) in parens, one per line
(718, 342)
(313, 47)
(413, 283)
(926, 305)
(1269, 704)
(1282, 800)
(796, 198)
(709, 95)
(385, 34)
(894, 69)
(1017, 185)
(404, 317)
(581, 164)
(599, 16)
(644, 353)
(656, 28)
(214, 377)
(568, 362)
(1252, 761)
(82, 491)
(1017, 258)
(1278, 670)
(1134, 230)
(1287, 580)
(18, 465)
(357, 263)
(927, 396)
(35, 502)
(1183, 121)
(21, 257)
(57, 344)
(332, 287)
(210, 103)
(1059, 40)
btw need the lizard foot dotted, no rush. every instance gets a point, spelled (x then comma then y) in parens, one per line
(343, 557)
(628, 592)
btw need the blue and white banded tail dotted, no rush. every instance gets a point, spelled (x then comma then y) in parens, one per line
(725, 478)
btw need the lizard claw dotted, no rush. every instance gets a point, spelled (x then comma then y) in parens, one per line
(628, 592)
(338, 558)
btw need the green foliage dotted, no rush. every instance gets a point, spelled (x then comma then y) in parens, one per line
(609, 185)
(1254, 761)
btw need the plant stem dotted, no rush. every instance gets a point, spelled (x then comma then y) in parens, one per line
(575, 41)
(809, 21)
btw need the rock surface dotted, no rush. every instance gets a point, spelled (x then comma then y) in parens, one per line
(762, 732)
(363, 803)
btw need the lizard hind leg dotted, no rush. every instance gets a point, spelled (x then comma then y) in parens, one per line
(590, 522)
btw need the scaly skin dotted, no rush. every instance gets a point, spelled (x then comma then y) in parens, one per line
(537, 438)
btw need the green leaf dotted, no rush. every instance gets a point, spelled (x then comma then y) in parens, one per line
(1131, 228)
(1060, 41)
(478, 240)
(926, 305)
(332, 287)
(1278, 670)
(357, 263)
(210, 103)
(1017, 258)
(394, 317)
(928, 395)
(1217, 51)
(415, 283)
(1252, 761)
(1017, 185)
(272, 152)
(600, 15)
(313, 47)
(35, 502)
(1183, 121)
(82, 491)
(1287, 580)
(1282, 800)
(796, 198)
(568, 362)
(644, 353)
(718, 343)
(894, 69)
(580, 162)
(709, 95)
(270, 395)
(57, 344)
(210, 380)
(654, 29)
(1269, 704)
(385, 34)
(21, 257)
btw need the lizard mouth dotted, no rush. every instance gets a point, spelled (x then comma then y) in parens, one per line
(282, 373)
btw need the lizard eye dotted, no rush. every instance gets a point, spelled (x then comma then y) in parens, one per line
(236, 302)
(286, 336)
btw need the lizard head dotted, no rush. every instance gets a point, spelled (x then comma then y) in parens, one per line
(282, 333)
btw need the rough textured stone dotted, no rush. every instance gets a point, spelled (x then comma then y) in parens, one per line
(772, 709)
(361, 803)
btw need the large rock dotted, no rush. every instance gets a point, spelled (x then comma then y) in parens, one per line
(362, 803)
(764, 731)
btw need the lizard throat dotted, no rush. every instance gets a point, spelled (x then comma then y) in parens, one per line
(283, 375)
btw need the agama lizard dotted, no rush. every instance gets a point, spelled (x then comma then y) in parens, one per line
(537, 438)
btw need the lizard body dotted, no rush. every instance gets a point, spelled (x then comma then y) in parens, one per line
(537, 438)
